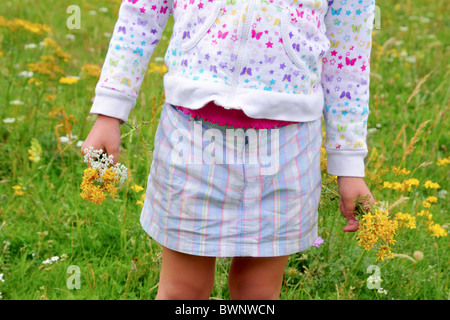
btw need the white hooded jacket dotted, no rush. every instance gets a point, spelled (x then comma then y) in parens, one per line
(290, 60)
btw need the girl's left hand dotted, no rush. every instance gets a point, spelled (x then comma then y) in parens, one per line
(351, 188)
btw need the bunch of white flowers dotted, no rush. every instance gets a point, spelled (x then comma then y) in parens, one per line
(55, 259)
(99, 160)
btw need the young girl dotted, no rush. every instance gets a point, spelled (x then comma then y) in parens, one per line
(244, 77)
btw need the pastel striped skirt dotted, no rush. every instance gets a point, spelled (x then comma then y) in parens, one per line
(225, 192)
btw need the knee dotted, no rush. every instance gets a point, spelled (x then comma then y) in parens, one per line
(183, 291)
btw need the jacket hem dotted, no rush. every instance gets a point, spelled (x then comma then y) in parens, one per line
(257, 104)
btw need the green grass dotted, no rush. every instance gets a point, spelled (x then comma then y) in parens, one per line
(117, 259)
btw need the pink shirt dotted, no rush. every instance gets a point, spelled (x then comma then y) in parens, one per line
(212, 112)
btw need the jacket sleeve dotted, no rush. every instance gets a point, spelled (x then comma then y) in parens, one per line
(345, 82)
(136, 33)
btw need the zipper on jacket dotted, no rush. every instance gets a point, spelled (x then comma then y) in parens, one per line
(241, 49)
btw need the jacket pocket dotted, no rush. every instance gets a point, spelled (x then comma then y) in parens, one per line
(293, 48)
(197, 17)
(270, 32)
(299, 31)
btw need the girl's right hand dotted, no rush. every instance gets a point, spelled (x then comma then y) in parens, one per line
(105, 135)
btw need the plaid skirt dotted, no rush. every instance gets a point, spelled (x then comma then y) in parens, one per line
(223, 192)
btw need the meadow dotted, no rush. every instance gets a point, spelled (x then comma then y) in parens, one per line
(48, 76)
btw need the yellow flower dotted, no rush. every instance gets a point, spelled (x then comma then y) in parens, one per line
(24, 24)
(436, 230)
(432, 199)
(97, 192)
(101, 178)
(109, 175)
(426, 204)
(160, 69)
(399, 171)
(36, 82)
(18, 190)
(50, 97)
(139, 202)
(444, 161)
(422, 213)
(431, 185)
(92, 70)
(406, 220)
(323, 159)
(411, 182)
(398, 186)
(387, 185)
(47, 65)
(384, 252)
(68, 80)
(137, 188)
(377, 231)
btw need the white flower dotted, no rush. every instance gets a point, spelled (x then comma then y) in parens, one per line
(92, 12)
(411, 59)
(103, 9)
(27, 74)
(9, 120)
(30, 46)
(441, 194)
(1, 277)
(79, 143)
(65, 139)
(70, 37)
(48, 261)
(55, 258)
(16, 102)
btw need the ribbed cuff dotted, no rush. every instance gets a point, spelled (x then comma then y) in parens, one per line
(112, 103)
(346, 163)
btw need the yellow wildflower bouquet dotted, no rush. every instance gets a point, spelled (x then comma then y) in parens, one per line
(377, 228)
(101, 177)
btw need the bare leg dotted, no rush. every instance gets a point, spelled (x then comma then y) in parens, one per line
(185, 277)
(256, 278)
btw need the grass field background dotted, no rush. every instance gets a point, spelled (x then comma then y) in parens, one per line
(43, 117)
